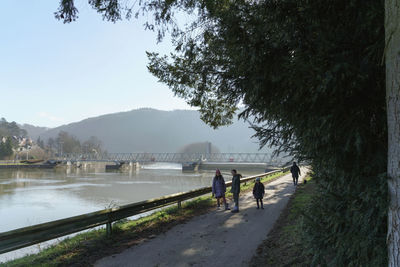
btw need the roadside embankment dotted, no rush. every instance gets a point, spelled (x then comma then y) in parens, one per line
(215, 238)
(283, 246)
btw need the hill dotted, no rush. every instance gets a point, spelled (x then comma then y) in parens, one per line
(150, 130)
(33, 131)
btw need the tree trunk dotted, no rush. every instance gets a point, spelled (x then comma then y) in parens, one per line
(392, 56)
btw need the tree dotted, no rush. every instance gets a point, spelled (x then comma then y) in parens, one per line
(11, 129)
(6, 148)
(2, 149)
(40, 142)
(92, 145)
(300, 68)
(310, 72)
(68, 143)
(51, 143)
(392, 34)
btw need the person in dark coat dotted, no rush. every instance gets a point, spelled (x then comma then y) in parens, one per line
(219, 188)
(258, 192)
(235, 189)
(295, 170)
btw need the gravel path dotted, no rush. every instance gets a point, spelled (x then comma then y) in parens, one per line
(217, 238)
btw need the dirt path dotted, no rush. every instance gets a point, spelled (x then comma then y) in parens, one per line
(217, 238)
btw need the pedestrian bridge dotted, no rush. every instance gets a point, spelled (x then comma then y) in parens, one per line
(173, 157)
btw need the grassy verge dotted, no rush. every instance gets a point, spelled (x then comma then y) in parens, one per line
(86, 248)
(17, 163)
(248, 186)
(283, 245)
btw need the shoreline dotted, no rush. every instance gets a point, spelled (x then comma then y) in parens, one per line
(127, 231)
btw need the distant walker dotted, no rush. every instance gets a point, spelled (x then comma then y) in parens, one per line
(295, 170)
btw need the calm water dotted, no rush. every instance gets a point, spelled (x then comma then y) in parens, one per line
(29, 197)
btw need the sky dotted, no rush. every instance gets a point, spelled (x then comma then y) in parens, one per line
(53, 73)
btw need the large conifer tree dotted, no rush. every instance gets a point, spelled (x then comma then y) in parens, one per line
(311, 74)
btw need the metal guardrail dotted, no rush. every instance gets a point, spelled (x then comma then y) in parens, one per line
(31, 235)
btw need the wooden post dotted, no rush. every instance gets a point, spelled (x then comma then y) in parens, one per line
(179, 204)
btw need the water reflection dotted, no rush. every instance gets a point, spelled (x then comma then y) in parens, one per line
(30, 197)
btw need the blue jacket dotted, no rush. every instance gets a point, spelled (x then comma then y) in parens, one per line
(218, 186)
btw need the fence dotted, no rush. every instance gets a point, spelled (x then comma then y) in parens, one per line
(27, 236)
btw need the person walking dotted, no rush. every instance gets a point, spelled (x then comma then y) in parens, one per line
(235, 189)
(295, 170)
(258, 192)
(219, 188)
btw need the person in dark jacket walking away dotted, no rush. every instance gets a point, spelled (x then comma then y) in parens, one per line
(219, 188)
(295, 170)
(235, 189)
(258, 192)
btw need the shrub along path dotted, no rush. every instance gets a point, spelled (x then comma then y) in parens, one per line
(213, 239)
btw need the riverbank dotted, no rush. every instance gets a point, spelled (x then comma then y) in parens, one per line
(86, 248)
(215, 238)
(283, 246)
(41, 195)
(26, 166)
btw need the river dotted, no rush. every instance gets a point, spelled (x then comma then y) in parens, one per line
(29, 197)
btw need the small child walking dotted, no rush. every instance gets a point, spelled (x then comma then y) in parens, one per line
(258, 192)
(219, 188)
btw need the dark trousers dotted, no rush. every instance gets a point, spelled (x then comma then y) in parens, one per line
(236, 199)
(295, 179)
(261, 202)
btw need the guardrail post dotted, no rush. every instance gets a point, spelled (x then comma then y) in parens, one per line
(179, 204)
(109, 228)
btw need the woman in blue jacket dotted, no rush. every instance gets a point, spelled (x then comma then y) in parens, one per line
(219, 188)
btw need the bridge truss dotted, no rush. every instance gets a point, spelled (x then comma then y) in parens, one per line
(172, 157)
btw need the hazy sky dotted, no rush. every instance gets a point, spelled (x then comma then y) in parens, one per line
(53, 73)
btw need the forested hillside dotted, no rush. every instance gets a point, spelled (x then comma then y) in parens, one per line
(150, 130)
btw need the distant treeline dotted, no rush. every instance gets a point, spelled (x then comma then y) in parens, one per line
(11, 133)
(6, 148)
(67, 143)
(10, 129)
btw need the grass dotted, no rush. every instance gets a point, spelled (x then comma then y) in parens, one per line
(245, 187)
(283, 245)
(86, 248)
(17, 163)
